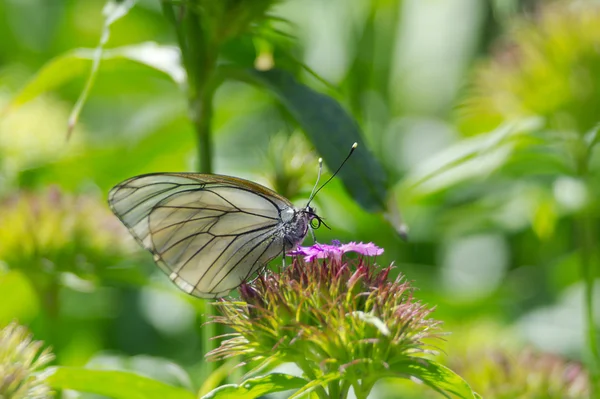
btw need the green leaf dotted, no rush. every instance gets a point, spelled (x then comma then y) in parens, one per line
(68, 66)
(55, 73)
(471, 158)
(114, 384)
(263, 366)
(71, 65)
(163, 58)
(332, 131)
(434, 375)
(217, 377)
(156, 368)
(258, 386)
(24, 303)
(311, 386)
(113, 11)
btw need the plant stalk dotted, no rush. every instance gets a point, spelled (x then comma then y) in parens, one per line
(361, 390)
(345, 389)
(202, 110)
(199, 56)
(334, 390)
(586, 231)
(308, 372)
(587, 236)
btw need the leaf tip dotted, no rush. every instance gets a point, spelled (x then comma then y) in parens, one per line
(70, 127)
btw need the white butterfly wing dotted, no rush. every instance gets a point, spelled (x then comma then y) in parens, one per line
(208, 233)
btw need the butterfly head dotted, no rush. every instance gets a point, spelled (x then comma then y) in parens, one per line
(315, 220)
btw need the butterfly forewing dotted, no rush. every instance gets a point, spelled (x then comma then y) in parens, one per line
(208, 233)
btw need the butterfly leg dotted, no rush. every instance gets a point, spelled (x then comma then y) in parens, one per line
(312, 233)
(283, 256)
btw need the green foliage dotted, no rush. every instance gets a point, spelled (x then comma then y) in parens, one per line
(330, 129)
(525, 174)
(24, 304)
(76, 63)
(434, 375)
(258, 386)
(224, 20)
(470, 160)
(112, 12)
(114, 384)
(548, 67)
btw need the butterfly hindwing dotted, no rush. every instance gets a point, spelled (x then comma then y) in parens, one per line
(208, 233)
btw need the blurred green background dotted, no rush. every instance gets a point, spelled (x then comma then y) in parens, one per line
(483, 113)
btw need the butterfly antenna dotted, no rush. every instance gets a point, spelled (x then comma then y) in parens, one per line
(312, 195)
(318, 178)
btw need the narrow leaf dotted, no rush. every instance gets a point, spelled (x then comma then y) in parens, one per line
(474, 157)
(434, 375)
(113, 10)
(163, 58)
(255, 387)
(314, 384)
(114, 384)
(75, 63)
(217, 377)
(55, 73)
(332, 131)
(264, 366)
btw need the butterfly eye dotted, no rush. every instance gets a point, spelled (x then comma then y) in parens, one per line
(315, 222)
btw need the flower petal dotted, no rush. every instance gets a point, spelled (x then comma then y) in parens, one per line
(335, 250)
(368, 249)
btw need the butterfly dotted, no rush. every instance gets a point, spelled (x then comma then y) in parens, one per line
(210, 233)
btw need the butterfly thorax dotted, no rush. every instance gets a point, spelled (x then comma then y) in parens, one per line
(294, 227)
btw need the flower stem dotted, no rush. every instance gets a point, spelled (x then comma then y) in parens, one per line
(345, 389)
(202, 107)
(306, 369)
(358, 391)
(199, 56)
(586, 231)
(334, 390)
(587, 239)
(363, 389)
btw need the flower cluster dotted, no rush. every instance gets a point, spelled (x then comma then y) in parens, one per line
(545, 67)
(505, 374)
(20, 364)
(329, 316)
(51, 232)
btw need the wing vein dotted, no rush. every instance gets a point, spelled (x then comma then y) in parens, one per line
(241, 259)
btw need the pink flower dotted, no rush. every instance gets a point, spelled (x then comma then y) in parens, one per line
(335, 250)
